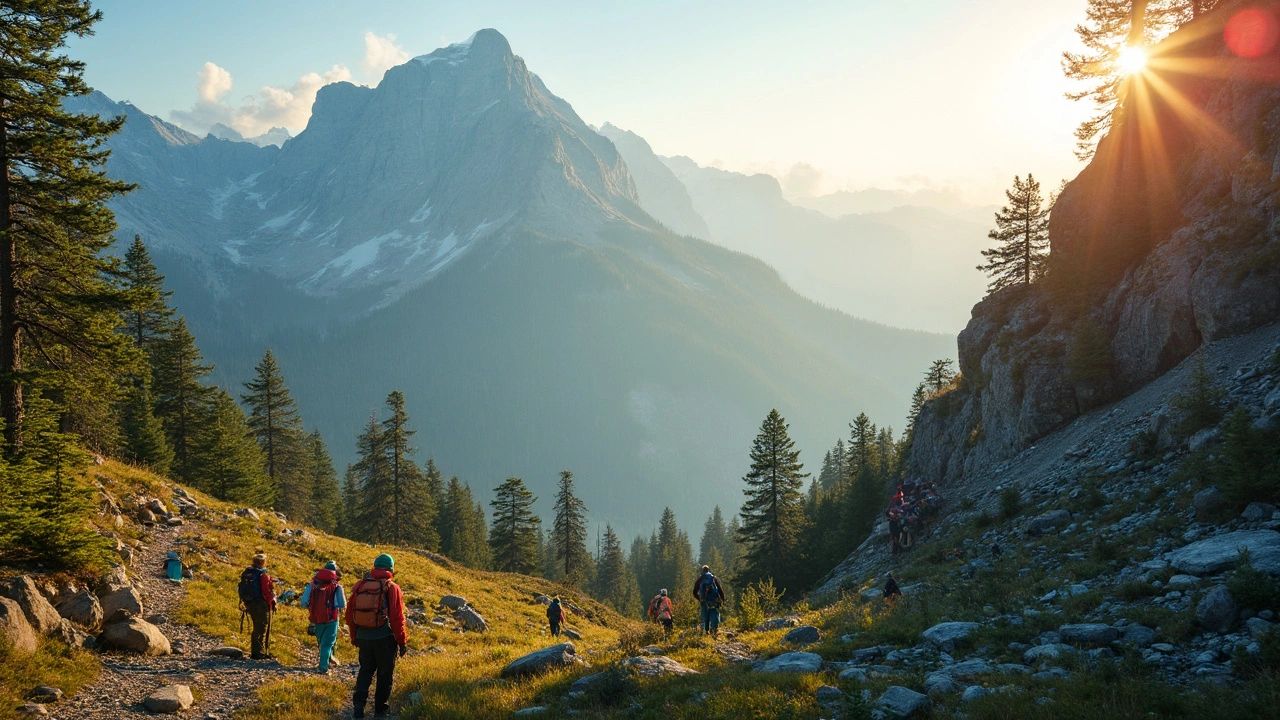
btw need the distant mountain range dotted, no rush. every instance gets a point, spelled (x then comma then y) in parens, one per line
(460, 234)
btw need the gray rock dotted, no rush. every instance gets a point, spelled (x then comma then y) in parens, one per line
(1257, 627)
(14, 626)
(454, 602)
(1088, 634)
(900, 702)
(656, 666)
(557, 656)
(1222, 551)
(169, 699)
(571, 634)
(1183, 582)
(40, 614)
(1204, 439)
(804, 635)
(853, 673)
(472, 620)
(126, 599)
(542, 600)
(530, 711)
(870, 653)
(973, 692)
(789, 621)
(415, 699)
(948, 636)
(1139, 635)
(801, 662)
(1207, 502)
(1258, 511)
(229, 651)
(1043, 653)
(83, 610)
(135, 635)
(32, 708)
(45, 694)
(940, 683)
(1045, 523)
(828, 695)
(970, 668)
(249, 513)
(1217, 610)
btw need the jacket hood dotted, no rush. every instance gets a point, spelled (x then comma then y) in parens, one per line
(381, 574)
(326, 576)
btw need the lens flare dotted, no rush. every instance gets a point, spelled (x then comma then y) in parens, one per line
(1252, 33)
(1132, 59)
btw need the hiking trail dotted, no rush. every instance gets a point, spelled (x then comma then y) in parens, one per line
(221, 685)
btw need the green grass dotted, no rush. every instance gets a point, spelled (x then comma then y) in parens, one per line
(53, 663)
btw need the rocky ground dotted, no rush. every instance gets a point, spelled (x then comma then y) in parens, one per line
(220, 685)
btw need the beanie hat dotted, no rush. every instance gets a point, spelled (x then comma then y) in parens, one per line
(384, 562)
(331, 565)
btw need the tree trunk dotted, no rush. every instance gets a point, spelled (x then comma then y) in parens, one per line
(10, 335)
(1138, 23)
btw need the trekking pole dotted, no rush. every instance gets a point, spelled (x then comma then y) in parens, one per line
(242, 610)
(270, 616)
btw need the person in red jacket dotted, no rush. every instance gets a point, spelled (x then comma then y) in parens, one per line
(375, 617)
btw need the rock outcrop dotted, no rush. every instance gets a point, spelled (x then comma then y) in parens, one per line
(15, 628)
(536, 663)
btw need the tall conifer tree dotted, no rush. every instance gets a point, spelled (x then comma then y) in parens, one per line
(513, 535)
(274, 420)
(615, 584)
(148, 318)
(413, 520)
(227, 462)
(773, 514)
(326, 502)
(1022, 231)
(370, 480)
(182, 399)
(144, 438)
(58, 310)
(569, 532)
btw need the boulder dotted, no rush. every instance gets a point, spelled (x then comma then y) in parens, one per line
(1042, 653)
(169, 699)
(542, 600)
(146, 517)
(900, 702)
(571, 634)
(532, 711)
(112, 581)
(14, 626)
(156, 505)
(126, 599)
(1207, 502)
(969, 668)
(801, 662)
(857, 674)
(948, 636)
(557, 656)
(1204, 439)
(1088, 634)
(1045, 523)
(471, 620)
(31, 708)
(1220, 552)
(249, 513)
(69, 634)
(1217, 610)
(973, 692)
(803, 635)
(1139, 635)
(228, 651)
(1182, 582)
(1257, 627)
(1258, 511)
(940, 683)
(45, 694)
(83, 610)
(40, 614)
(135, 635)
(789, 621)
(656, 666)
(453, 602)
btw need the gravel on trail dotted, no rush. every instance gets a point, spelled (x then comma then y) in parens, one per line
(222, 685)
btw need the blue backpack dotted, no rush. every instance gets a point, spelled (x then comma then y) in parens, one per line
(708, 592)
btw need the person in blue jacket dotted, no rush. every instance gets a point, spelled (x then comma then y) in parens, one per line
(324, 600)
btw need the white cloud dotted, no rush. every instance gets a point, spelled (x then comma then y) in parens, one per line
(802, 180)
(381, 53)
(288, 107)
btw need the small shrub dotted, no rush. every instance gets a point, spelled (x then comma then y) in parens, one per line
(1145, 444)
(1248, 466)
(1135, 590)
(967, 504)
(1200, 403)
(770, 596)
(1253, 589)
(984, 520)
(1010, 503)
(750, 614)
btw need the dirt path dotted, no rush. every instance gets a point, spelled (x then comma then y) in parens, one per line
(221, 685)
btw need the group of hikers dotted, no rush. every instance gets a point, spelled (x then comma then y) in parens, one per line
(374, 616)
(709, 594)
(909, 509)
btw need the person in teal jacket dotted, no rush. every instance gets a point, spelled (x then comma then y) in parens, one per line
(324, 600)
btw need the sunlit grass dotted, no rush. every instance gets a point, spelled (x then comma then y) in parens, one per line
(53, 663)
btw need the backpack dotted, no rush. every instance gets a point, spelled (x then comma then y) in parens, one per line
(707, 590)
(320, 604)
(555, 613)
(660, 608)
(368, 605)
(250, 588)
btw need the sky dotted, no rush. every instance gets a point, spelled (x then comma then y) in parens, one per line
(840, 95)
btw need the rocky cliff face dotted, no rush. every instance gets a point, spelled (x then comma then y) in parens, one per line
(1167, 240)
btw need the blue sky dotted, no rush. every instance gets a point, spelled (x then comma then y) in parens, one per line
(892, 93)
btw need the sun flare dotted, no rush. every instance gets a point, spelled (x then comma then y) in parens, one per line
(1132, 59)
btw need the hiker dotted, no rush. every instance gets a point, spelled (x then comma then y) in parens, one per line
(555, 616)
(174, 569)
(324, 599)
(891, 589)
(660, 610)
(996, 552)
(710, 596)
(894, 514)
(375, 617)
(258, 601)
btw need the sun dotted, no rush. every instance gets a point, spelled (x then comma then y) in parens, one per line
(1131, 60)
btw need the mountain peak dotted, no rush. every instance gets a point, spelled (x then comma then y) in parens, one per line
(483, 45)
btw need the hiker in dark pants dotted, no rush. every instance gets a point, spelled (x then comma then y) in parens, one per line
(555, 616)
(661, 611)
(710, 596)
(375, 616)
(258, 596)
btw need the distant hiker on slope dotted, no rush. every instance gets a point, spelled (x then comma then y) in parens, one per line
(891, 589)
(375, 617)
(660, 610)
(555, 616)
(258, 601)
(324, 599)
(710, 596)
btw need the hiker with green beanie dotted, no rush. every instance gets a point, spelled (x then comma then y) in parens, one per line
(375, 617)
(324, 600)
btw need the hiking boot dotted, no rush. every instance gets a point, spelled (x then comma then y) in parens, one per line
(334, 662)
(262, 656)
(382, 712)
(357, 712)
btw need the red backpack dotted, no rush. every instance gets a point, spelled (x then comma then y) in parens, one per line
(320, 607)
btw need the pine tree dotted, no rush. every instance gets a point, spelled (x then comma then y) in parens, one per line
(569, 532)
(326, 503)
(145, 442)
(513, 536)
(638, 561)
(58, 309)
(462, 527)
(182, 400)
(917, 404)
(1022, 229)
(433, 485)
(370, 480)
(413, 520)
(714, 538)
(615, 584)
(226, 460)
(834, 472)
(148, 317)
(773, 514)
(939, 376)
(348, 521)
(274, 420)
